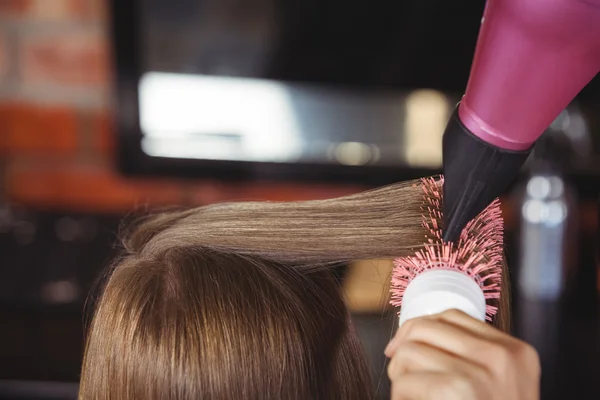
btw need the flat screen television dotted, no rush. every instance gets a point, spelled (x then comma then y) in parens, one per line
(318, 90)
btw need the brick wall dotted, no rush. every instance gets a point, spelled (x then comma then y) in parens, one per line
(56, 138)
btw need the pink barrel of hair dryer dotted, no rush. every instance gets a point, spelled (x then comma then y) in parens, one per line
(532, 58)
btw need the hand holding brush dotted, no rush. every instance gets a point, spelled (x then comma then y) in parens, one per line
(452, 356)
(446, 291)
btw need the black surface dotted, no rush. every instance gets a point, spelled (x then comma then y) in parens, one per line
(38, 390)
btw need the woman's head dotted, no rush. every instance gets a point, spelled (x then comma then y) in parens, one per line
(238, 300)
(193, 322)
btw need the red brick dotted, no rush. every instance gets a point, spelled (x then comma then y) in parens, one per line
(4, 60)
(65, 59)
(11, 8)
(34, 129)
(97, 9)
(5, 123)
(209, 192)
(103, 133)
(54, 10)
(85, 188)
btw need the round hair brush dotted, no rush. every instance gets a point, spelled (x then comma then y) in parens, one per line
(463, 275)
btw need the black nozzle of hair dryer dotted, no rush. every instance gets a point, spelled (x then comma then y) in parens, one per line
(475, 173)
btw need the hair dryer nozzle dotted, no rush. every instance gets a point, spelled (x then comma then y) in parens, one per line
(475, 173)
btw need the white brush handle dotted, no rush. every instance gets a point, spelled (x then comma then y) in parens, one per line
(436, 291)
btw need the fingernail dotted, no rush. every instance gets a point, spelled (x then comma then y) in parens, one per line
(389, 348)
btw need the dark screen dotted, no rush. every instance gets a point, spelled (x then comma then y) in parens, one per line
(304, 79)
(401, 44)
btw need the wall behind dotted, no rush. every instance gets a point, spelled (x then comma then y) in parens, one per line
(57, 142)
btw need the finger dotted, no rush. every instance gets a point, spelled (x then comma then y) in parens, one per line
(502, 350)
(392, 346)
(414, 357)
(441, 334)
(460, 320)
(431, 386)
(471, 324)
(454, 317)
(495, 336)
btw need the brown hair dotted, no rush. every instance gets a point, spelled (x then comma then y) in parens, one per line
(237, 301)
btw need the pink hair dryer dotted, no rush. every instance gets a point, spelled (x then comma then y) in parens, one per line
(532, 58)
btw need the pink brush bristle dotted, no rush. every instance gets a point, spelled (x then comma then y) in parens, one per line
(478, 253)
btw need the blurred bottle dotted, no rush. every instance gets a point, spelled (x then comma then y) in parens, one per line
(548, 249)
(548, 227)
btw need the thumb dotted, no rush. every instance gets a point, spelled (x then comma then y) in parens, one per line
(392, 346)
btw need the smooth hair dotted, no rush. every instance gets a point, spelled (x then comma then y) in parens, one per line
(238, 300)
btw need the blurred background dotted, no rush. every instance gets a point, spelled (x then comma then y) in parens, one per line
(113, 108)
